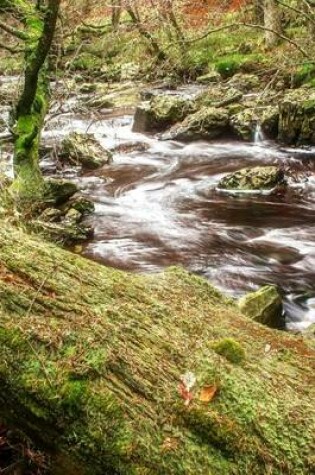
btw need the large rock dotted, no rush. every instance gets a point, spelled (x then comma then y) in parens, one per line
(59, 191)
(253, 179)
(244, 82)
(264, 306)
(85, 150)
(219, 96)
(297, 117)
(244, 122)
(208, 123)
(213, 77)
(161, 112)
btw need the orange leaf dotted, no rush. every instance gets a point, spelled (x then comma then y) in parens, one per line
(207, 393)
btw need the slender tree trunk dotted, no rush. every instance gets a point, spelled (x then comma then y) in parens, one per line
(116, 13)
(272, 21)
(32, 104)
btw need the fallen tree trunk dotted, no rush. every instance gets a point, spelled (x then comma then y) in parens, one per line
(91, 360)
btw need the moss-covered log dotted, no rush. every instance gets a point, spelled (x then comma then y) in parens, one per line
(91, 360)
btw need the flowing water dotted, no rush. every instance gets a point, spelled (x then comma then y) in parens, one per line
(157, 205)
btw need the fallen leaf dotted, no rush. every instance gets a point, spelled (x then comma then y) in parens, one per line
(267, 348)
(185, 394)
(170, 444)
(207, 393)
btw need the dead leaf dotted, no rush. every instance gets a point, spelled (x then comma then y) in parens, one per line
(207, 393)
(170, 443)
(185, 394)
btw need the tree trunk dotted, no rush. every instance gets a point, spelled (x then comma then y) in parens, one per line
(92, 362)
(272, 21)
(32, 104)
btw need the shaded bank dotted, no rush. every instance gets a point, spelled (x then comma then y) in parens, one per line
(92, 358)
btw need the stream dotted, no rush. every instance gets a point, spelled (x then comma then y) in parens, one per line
(157, 206)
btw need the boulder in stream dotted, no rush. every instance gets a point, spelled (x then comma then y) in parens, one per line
(85, 150)
(253, 179)
(244, 122)
(161, 112)
(264, 306)
(297, 117)
(208, 123)
(60, 191)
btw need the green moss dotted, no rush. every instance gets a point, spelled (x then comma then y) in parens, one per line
(231, 350)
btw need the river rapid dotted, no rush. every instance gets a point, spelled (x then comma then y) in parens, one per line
(157, 206)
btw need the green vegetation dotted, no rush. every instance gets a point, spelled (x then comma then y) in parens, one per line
(91, 360)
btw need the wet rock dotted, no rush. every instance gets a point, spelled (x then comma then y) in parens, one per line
(207, 123)
(253, 179)
(219, 97)
(297, 117)
(60, 191)
(99, 101)
(264, 306)
(161, 112)
(51, 215)
(244, 82)
(131, 147)
(244, 122)
(85, 150)
(212, 77)
(81, 204)
(73, 216)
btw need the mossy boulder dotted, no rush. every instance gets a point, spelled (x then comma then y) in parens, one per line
(59, 191)
(161, 112)
(253, 179)
(92, 358)
(297, 117)
(219, 96)
(264, 306)
(244, 122)
(245, 82)
(85, 150)
(213, 77)
(208, 123)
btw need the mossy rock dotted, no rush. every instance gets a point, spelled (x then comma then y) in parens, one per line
(59, 191)
(253, 179)
(91, 359)
(85, 150)
(244, 122)
(264, 306)
(245, 82)
(297, 117)
(208, 123)
(219, 97)
(213, 77)
(161, 112)
(230, 349)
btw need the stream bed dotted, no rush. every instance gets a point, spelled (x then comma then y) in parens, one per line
(157, 206)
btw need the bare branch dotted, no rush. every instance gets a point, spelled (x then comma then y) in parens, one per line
(232, 26)
(11, 49)
(21, 35)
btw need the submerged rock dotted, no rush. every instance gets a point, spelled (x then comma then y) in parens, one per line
(161, 112)
(264, 306)
(297, 117)
(253, 179)
(207, 123)
(85, 150)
